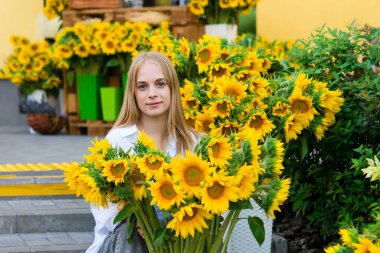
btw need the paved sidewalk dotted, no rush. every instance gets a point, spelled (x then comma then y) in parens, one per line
(35, 148)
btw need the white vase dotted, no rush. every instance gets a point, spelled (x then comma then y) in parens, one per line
(225, 31)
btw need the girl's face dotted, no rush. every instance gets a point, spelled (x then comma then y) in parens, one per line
(152, 91)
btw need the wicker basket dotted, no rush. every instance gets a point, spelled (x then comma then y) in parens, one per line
(94, 4)
(44, 123)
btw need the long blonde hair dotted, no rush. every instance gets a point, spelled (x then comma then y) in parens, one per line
(130, 113)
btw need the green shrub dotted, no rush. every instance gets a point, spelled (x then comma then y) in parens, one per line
(325, 186)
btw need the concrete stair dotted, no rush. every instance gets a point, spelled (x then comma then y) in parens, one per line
(33, 219)
(59, 225)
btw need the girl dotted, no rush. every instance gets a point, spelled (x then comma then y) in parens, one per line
(151, 103)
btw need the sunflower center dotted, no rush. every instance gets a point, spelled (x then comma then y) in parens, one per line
(109, 44)
(226, 130)
(204, 55)
(300, 106)
(167, 191)
(206, 125)
(224, 55)
(232, 92)
(218, 72)
(193, 176)
(215, 149)
(154, 164)
(137, 177)
(256, 122)
(117, 170)
(188, 217)
(192, 103)
(222, 107)
(216, 191)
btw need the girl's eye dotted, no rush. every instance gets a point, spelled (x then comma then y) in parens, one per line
(141, 86)
(160, 84)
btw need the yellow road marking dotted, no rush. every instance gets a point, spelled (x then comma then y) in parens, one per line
(32, 167)
(34, 190)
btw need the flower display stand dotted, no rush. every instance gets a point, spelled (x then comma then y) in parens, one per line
(242, 240)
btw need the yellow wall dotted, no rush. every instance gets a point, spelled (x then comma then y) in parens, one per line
(18, 17)
(292, 19)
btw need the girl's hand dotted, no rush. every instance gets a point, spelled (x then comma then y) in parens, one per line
(140, 231)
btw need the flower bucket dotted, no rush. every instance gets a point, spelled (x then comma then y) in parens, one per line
(225, 31)
(124, 78)
(88, 96)
(111, 102)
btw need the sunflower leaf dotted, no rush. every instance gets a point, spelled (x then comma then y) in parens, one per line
(159, 236)
(257, 228)
(243, 204)
(126, 212)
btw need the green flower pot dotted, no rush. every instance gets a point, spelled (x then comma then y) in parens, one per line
(124, 78)
(111, 102)
(89, 96)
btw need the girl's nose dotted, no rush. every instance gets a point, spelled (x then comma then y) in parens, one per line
(152, 91)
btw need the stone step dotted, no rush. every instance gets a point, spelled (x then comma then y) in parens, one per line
(53, 242)
(45, 215)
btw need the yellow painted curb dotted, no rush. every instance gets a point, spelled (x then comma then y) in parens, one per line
(32, 167)
(34, 190)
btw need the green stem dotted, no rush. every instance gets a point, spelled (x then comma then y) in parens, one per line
(148, 238)
(177, 245)
(200, 244)
(219, 239)
(235, 219)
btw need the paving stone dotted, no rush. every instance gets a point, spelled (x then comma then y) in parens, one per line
(17, 181)
(11, 240)
(8, 223)
(62, 238)
(82, 237)
(50, 180)
(14, 249)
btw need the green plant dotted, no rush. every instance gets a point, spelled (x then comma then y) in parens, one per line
(326, 188)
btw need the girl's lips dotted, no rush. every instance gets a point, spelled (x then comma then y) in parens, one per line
(153, 105)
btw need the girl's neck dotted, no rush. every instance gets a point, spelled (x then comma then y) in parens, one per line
(156, 128)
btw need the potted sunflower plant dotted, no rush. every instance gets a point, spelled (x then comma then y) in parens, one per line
(83, 48)
(221, 16)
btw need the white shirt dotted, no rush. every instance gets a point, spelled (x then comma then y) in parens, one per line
(125, 138)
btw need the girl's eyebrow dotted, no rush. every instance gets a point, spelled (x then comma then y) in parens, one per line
(159, 79)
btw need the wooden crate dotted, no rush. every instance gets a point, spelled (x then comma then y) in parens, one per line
(88, 127)
(93, 4)
(180, 19)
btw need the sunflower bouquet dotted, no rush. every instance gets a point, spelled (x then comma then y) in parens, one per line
(221, 11)
(31, 66)
(191, 191)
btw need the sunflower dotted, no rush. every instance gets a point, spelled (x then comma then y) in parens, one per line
(108, 45)
(127, 46)
(196, 7)
(246, 134)
(190, 171)
(204, 122)
(282, 191)
(257, 104)
(190, 102)
(139, 190)
(225, 4)
(81, 50)
(302, 105)
(258, 86)
(190, 117)
(146, 140)
(248, 176)
(98, 152)
(346, 237)
(91, 193)
(115, 170)
(165, 193)
(220, 108)
(219, 70)
(204, 57)
(63, 51)
(293, 126)
(217, 192)
(72, 173)
(331, 100)
(232, 88)
(274, 156)
(219, 151)
(150, 164)
(228, 127)
(255, 65)
(364, 245)
(260, 123)
(334, 249)
(302, 82)
(184, 46)
(188, 219)
(280, 109)
(94, 49)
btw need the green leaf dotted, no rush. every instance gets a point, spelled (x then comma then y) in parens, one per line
(113, 62)
(159, 236)
(130, 228)
(70, 77)
(126, 212)
(243, 204)
(304, 147)
(257, 228)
